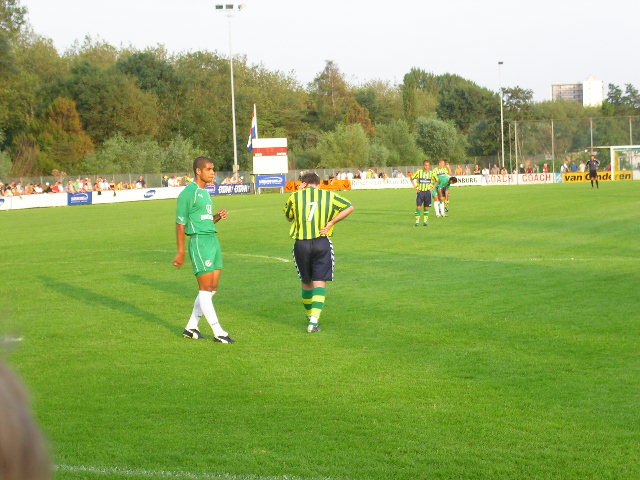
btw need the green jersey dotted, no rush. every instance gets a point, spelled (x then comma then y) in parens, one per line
(311, 209)
(443, 182)
(426, 180)
(195, 210)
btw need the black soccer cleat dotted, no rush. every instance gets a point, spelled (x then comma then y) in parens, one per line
(224, 339)
(193, 333)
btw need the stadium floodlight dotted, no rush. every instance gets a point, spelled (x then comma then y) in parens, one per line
(501, 110)
(229, 9)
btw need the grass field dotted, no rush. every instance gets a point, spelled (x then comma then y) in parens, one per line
(502, 342)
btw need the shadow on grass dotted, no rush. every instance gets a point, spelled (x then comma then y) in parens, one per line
(90, 297)
(173, 287)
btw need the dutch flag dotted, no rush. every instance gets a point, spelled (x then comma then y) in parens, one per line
(254, 129)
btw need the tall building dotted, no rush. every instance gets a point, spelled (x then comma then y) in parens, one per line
(590, 93)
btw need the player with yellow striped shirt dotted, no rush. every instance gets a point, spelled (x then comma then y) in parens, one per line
(313, 214)
(424, 181)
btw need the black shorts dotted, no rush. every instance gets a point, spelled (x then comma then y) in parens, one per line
(593, 174)
(423, 198)
(314, 259)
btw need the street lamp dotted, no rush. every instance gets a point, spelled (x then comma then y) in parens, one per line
(501, 110)
(229, 9)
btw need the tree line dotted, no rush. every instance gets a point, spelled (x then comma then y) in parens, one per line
(98, 109)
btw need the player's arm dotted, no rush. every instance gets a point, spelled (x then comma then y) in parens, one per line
(221, 215)
(180, 235)
(288, 209)
(414, 181)
(338, 218)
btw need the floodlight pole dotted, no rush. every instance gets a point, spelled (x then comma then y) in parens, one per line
(229, 9)
(501, 110)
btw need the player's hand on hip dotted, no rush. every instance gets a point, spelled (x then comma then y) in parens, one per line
(179, 260)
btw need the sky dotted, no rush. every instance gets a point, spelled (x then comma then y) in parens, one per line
(540, 43)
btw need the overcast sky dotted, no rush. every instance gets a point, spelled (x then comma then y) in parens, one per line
(540, 43)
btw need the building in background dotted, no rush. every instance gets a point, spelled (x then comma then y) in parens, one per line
(590, 93)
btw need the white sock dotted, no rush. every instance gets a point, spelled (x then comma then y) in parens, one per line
(205, 300)
(436, 206)
(442, 212)
(195, 315)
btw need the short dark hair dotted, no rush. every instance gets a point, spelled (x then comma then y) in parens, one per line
(310, 178)
(453, 180)
(200, 162)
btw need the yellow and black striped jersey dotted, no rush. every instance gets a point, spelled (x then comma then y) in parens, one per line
(439, 172)
(311, 209)
(426, 180)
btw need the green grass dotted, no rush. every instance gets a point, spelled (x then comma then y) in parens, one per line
(499, 343)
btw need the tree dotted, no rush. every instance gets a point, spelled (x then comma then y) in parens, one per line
(331, 96)
(360, 115)
(347, 146)
(110, 102)
(517, 102)
(126, 155)
(382, 101)
(400, 143)
(179, 155)
(64, 143)
(440, 140)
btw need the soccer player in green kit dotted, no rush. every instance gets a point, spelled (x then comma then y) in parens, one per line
(195, 219)
(441, 172)
(441, 190)
(424, 181)
(314, 213)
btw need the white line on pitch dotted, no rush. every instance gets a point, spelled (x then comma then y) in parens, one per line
(279, 259)
(12, 339)
(124, 472)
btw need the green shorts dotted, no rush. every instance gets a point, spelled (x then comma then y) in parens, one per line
(205, 253)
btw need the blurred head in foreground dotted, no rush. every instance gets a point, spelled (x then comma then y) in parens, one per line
(23, 451)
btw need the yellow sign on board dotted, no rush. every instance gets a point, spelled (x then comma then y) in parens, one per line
(602, 176)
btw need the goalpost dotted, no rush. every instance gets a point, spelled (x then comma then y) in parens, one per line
(624, 157)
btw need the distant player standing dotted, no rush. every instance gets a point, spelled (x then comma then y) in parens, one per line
(195, 219)
(424, 181)
(593, 165)
(314, 213)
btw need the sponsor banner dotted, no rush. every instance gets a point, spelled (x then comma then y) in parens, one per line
(324, 185)
(271, 181)
(576, 177)
(33, 201)
(535, 178)
(558, 177)
(636, 175)
(79, 198)
(468, 180)
(241, 189)
(380, 183)
(138, 195)
(518, 179)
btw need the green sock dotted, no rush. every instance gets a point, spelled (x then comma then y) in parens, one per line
(417, 216)
(426, 216)
(317, 303)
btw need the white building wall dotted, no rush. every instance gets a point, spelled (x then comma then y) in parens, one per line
(592, 92)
